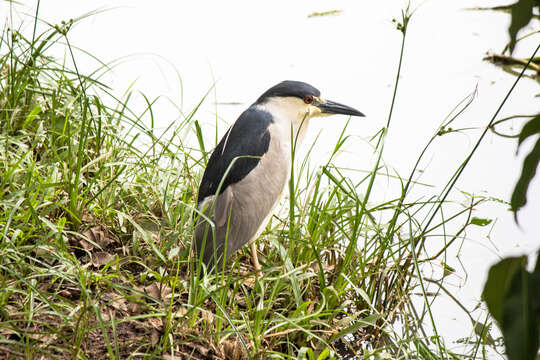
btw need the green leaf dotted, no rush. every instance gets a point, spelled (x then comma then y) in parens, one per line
(306, 353)
(522, 12)
(532, 127)
(519, 321)
(324, 354)
(33, 114)
(200, 139)
(535, 286)
(535, 279)
(480, 222)
(512, 296)
(498, 282)
(519, 195)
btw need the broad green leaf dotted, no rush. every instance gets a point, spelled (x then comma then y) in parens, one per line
(535, 279)
(498, 282)
(519, 321)
(522, 12)
(512, 296)
(519, 195)
(532, 127)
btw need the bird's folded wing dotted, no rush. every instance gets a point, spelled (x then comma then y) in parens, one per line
(223, 207)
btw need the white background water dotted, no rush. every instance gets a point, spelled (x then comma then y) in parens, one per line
(244, 47)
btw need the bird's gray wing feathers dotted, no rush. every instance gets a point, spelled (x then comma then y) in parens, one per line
(247, 141)
(222, 209)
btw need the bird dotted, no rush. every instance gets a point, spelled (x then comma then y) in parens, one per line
(249, 169)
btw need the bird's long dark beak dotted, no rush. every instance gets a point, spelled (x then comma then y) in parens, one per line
(331, 107)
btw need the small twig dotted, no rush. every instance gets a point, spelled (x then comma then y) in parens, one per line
(501, 60)
(500, 121)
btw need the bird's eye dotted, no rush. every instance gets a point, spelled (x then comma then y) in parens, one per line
(308, 99)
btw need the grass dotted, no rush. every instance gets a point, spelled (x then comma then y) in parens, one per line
(97, 216)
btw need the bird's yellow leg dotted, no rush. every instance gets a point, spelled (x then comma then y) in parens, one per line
(255, 259)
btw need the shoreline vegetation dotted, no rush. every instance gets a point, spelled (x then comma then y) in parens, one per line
(96, 221)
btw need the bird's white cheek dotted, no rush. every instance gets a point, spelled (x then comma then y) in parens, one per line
(307, 112)
(315, 112)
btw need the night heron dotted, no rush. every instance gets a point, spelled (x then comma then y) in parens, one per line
(249, 169)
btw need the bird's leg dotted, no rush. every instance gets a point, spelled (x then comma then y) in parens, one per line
(255, 259)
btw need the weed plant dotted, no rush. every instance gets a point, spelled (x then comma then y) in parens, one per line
(96, 222)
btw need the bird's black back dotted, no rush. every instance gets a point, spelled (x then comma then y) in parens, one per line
(247, 136)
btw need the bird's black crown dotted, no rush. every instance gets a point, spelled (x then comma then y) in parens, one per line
(297, 89)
